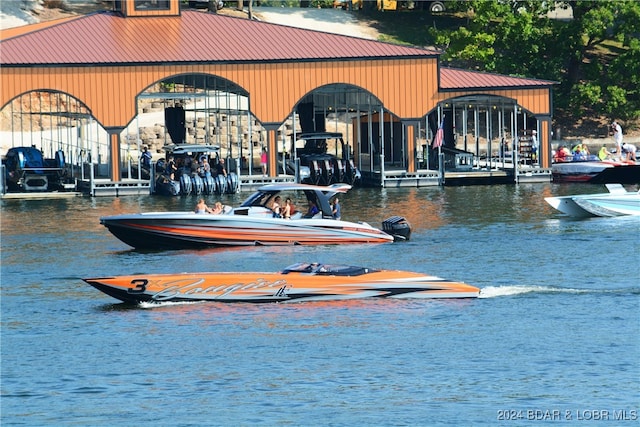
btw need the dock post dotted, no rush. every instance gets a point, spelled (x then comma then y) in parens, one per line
(440, 168)
(3, 182)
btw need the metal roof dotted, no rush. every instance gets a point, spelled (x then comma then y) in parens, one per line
(457, 79)
(107, 38)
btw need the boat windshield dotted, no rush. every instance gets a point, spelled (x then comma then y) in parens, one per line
(327, 269)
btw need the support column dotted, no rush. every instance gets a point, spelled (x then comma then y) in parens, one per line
(544, 148)
(114, 153)
(272, 148)
(411, 127)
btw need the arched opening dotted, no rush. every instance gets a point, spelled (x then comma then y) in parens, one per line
(341, 133)
(59, 129)
(483, 132)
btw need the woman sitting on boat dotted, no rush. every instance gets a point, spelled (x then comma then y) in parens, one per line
(603, 154)
(202, 207)
(218, 208)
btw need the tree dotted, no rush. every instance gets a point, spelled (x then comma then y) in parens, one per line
(594, 56)
(603, 51)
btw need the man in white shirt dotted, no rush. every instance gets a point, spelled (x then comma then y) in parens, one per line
(617, 136)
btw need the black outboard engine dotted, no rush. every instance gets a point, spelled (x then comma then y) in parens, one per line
(398, 227)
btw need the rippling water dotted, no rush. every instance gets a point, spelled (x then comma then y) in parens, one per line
(555, 335)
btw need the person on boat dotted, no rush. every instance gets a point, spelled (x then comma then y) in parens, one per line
(217, 208)
(336, 210)
(145, 158)
(313, 210)
(616, 129)
(276, 209)
(534, 145)
(286, 209)
(202, 207)
(629, 151)
(220, 168)
(171, 168)
(603, 154)
(187, 165)
(263, 162)
(205, 168)
(563, 154)
(578, 155)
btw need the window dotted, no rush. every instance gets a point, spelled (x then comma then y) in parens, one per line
(152, 4)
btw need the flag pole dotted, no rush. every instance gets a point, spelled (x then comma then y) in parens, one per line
(438, 142)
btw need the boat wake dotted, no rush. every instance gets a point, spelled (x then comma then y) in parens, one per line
(167, 303)
(501, 291)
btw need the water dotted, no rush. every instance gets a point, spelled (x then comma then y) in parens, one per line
(555, 336)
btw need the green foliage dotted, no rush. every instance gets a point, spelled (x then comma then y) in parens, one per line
(326, 4)
(279, 3)
(584, 97)
(595, 56)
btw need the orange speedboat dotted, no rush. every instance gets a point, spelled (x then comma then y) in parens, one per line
(298, 282)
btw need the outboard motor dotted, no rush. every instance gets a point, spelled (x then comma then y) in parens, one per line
(161, 165)
(398, 227)
(209, 184)
(185, 184)
(197, 185)
(232, 183)
(316, 172)
(328, 171)
(221, 184)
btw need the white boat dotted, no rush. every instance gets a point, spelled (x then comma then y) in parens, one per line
(253, 223)
(617, 202)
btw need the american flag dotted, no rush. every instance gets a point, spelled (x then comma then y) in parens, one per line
(439, 135)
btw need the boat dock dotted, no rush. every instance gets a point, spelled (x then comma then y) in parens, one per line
(392, 179)
(41, 195)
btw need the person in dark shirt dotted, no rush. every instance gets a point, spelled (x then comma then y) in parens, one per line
(335, 209)
(146, 158)
(220, 168)
(313, 209)
(171, 168)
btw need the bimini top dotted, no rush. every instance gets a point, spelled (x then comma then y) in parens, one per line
(333, 188)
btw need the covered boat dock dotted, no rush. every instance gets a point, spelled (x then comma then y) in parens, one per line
(101, 98)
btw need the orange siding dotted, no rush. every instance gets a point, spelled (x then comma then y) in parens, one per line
(545, 154)
(130, 10)
(536, 101)
(407, 88)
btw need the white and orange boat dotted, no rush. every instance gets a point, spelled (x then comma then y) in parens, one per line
(296, 283)
(252, 223)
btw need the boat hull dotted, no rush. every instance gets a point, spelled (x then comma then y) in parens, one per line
(189, 230)
(611, 206)
(617, 202)
(595, 172)
(285, 286)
